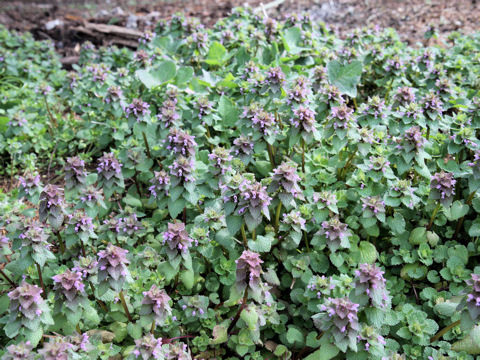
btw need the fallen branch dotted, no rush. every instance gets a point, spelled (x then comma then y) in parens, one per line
(270, 5)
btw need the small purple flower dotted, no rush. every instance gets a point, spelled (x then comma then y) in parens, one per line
(112, 266)
(137, 108)
(442, 187)
(87, 266)
(412, 140)
(275, 76)
(300, 90)
(286, 180)
(57, 349)
(183, 168)
(243, 146)
(29, 182)
(341, 116)
(82, 223)
(263, 121)
(128, 225)
(69, 287)
(249, 269)
(339, 317)
(177, 238)
(220, 157)
(26, 299)
(405, 95)
(51, 197)
(432, 103)
(373, 206)
(75, 173)
(336, 233)
(304, 119)
(473, 297)
(109, 166)
(168, 113)
(156, 301)
(254, 198)
(181, 143)
(160, 182)
(369, 279)
(149, 347)
(20, 351)
(204, 106)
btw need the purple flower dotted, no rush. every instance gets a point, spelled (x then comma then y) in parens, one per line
(254, 198)
(26, 299)
(412, 140)
(149, 347)
(177, 238)
(87, 266)
(473, 297)
(128, 225)
(20, 351)
(263, 121)
(220, 157)
(81, 223)
(243, 146)
(325, 197)
(275, 78)
(432, 103)
(369, 279)
(168, 113)
(51, 205)
(295, 219)
(405, 95)
(156, 301)
(29, 182)
(112, 266)
(109, 167)
(373, 206)
(160, 182)
(271, 27)
(442, 187)
(339, 317)
(204, 106)
(181, 143)
(286, 180)
(304, 119)
(375, 107)
(249, 269)
(183, 168)
(69, 287)
(57, 349)
(341, 116)
(300, 90)
(75, 173)
(35, 238)
(91, 196)
(336, 234)
(138, 108)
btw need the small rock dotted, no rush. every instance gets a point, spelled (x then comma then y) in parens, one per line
(53, 24)
(131, 21)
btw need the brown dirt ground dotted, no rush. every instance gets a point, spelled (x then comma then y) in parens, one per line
(410, 18)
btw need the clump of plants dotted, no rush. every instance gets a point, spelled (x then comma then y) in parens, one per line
(258, 190)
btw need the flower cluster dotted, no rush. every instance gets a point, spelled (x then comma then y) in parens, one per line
(128, 225)
(285, 180)
(112, 267)
(183, 169)
(405, 95)
(442, 187)
(204, 106)
(336, 233)
(220, 157)
(179, 142)
(249, 269)
(81, 223)
(75, 172)
(373, 206)
(242, 147)
(369, 280)
(473, 297)
(253, 201)
(341, 116)
(300, 90)
(160, 182)
(148, 347)
(51, 205)
(304, 120)
(109, 168)
(69, 288)
(20, 351)
(412, 140)
(168, 113)
(29, 182)
(156, 303)
(138, 108)
(177, 238)
(339, 318)
(263, 121)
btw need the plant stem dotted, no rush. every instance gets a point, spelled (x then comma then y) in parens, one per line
(306, 240)
(54, 121)
(444, 331)
(344, 170)
(184, 215)
(7, 278)
(277, 216)
(61, 244)
(254, 235)
(270, 155)
(433, 216)
(428, 132)
(303, 155)
(40, 278)
(78, 330)
(146, 145)
(240, 309)
(244, 236)
(389, 89)
(125, 308)
(99, 302)
(355, 103)
(152, 329)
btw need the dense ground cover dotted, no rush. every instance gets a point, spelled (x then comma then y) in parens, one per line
(259, 190)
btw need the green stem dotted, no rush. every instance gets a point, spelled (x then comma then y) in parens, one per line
(277, 216)
(444, 331)
(389, 89)
(428, 132)
(78, 329)
(303, 155)
(54, 121)
(433, 216)
(100, 302)
(306, 240)
(147, 147)
(61, 244)
(355, 103)
(125, 308)
(152, 328)
(270, 154)
(254, 235)
(10, 281)
(40, 278)
(344, 170)
(237, 315)
(244, 236)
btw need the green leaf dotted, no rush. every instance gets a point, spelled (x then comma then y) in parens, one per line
(326, 352)
(219, 335)
(216, 54)
(120, 331)
(184, 75)
(470, 344)
(345, 77)
(456, 210)
(295, 336)
(261, 244)
(158, 75)
(228, 111)
(132, 201)
(418, 236)
(135, 330)
(175, 207)
(187, 277)
(446, 308)
(291, 39)
(234, 223)
(366, 253)
(3, 123)
(397, 223)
